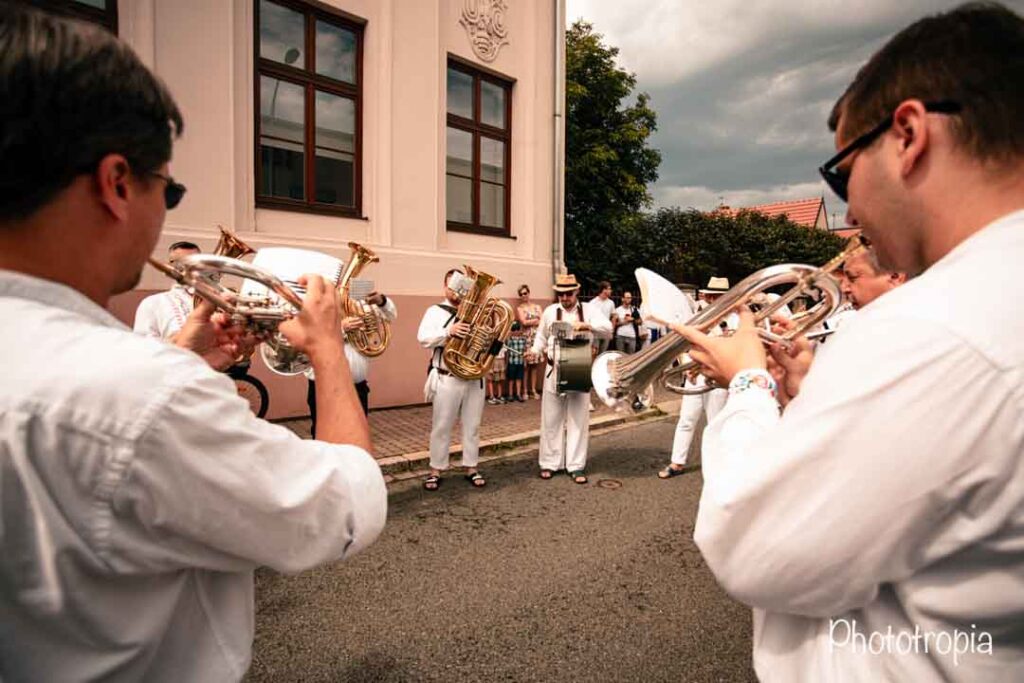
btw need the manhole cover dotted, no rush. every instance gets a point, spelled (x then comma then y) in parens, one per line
(609, 484)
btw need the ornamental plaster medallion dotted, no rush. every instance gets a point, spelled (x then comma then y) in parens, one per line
(485, 25)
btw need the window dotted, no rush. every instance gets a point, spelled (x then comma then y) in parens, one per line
(479, 137)
(309, 97)
(102, 12)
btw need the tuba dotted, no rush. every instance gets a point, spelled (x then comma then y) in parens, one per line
(372, 339)
(620, 379)
(491, 320)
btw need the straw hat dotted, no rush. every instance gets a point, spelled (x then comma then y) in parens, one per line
(716, 285)
(566, 283)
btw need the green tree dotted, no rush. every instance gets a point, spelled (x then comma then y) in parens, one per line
(691, 246)
(608, 162)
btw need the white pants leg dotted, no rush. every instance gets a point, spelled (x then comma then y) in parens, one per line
(472, 411)
(447, 402)
(577, 409)
(552, 424)
(689, 416)
(714, 401)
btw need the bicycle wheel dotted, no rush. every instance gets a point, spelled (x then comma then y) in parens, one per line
(253, 391)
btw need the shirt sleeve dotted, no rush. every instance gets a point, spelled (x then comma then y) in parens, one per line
(540, 340)
(145, 319)
(389, 311)
(600, 325)
(433, 332)
(893, 456)
(212, 486)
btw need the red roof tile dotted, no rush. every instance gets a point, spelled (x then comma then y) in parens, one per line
(801, 211)
(846, 233)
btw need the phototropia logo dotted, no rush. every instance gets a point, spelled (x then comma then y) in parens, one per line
(844, 634)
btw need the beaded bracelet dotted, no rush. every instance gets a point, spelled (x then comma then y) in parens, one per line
(753, 378)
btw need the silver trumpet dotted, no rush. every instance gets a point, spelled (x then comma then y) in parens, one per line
(621, 379)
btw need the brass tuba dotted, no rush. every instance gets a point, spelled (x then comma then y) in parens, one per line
(619, 378)
(372, 339)
(491, 320)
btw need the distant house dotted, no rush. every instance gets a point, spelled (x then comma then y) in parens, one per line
(809, 212)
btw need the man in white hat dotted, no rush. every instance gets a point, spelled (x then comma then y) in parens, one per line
(452, 397)
(695, 405)
(565, 419)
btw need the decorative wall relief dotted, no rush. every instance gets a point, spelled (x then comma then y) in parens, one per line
(485, 25)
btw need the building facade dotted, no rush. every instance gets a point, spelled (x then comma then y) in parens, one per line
(426, 130)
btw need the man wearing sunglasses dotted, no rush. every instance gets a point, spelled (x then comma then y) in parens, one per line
(137, 491)
(876, 527)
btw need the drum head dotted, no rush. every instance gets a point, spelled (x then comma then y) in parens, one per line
(572, 365)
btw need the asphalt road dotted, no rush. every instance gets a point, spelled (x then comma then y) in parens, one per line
(524, 580)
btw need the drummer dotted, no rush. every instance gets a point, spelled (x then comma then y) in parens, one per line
(565, 423)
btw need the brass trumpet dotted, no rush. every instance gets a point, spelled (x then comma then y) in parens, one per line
(620, 379)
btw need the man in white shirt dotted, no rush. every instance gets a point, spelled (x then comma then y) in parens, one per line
(629, 329)
(163, 314)
(139, 491)
(565, 418)
(358, 364)
(604, 303)
(876, 527)
(452, 397)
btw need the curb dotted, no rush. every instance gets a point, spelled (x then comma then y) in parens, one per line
(401, 467)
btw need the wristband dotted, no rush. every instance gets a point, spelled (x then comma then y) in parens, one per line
(753, 378)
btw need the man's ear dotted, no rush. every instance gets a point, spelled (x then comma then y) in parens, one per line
(113, 175)
(896, 279)
(910, 123)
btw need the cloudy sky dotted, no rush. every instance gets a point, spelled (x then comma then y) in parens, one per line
(743, 88)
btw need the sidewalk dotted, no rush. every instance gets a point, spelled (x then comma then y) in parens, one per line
(401, 436)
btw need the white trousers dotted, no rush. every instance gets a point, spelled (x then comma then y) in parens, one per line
(568, 414)
(689, 415)
(456, 398)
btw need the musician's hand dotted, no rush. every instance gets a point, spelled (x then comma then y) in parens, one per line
(581, 327)
(212, 335)
(316, 330)
(722, 357)
(352, 322)
(788, 368)
(375, 299)
(460, 330)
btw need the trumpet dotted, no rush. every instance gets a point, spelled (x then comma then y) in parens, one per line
(619, 379)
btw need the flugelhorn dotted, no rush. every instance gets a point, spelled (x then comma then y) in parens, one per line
(620, 379)
(471, 357)
(373, 337)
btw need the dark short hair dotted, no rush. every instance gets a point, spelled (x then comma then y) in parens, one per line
(972, 55)
(184, 245)
(70, 94)
(522, 287)
(603, 285)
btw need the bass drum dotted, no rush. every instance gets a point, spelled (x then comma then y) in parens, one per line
(572, 361)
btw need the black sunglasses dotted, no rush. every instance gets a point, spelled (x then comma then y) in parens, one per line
(838, 179)
(173, 191)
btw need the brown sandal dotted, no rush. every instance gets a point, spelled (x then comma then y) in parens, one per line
(546, 474)
(432, 483)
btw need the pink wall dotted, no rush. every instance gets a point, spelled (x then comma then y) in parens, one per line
(396, 377)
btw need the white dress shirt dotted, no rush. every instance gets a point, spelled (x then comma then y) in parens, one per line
(163, 314)
(600, 325)
(606, 306)
(139, 493)
(358, 364)
(891, 492)
(433, 331)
